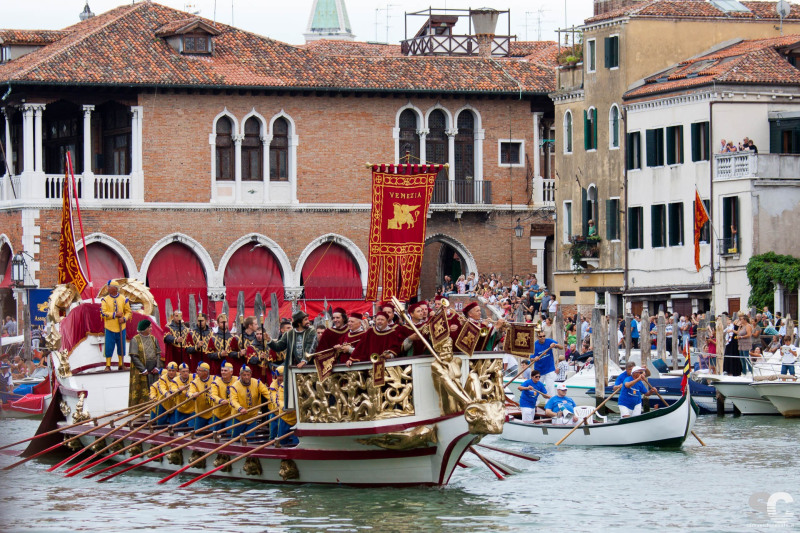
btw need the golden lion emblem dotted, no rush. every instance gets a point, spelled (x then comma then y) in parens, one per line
(403, 215)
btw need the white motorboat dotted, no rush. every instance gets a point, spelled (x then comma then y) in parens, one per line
(784, 395)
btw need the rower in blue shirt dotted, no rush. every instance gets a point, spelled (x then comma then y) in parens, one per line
(629, 366)
(544, 361)
(561, 408)
(632, 392)
(529, 395)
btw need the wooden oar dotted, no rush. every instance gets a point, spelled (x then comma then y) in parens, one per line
(510, 452)
(170, 443)
(79, 435)
(134, 415)
(75, 470)
(129, 446)
(665, 404)
(237, 459)
(218, 448)
(489, 465)
(590, 415)
(60, 429)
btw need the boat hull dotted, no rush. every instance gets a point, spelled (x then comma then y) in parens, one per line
(745, 398)
(785, 396)
(667, 427)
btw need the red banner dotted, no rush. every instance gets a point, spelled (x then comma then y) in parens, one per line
(69, 269)
(700, 219)
(400, 198)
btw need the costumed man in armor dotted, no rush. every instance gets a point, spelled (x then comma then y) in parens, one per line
(489, 333)
(185, 377)
(296, 342)
(244, 394)
(146, 363)
(413, 345)
(355, 332)
(333, 335)
(283, 425)
(200, 391)
(382, 339)
(221, 395)
(224, 343)
(202, 334)
(164, 386)
(116, 311)
(176, 339)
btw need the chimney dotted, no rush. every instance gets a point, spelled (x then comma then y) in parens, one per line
(485, 22)
(604, 6)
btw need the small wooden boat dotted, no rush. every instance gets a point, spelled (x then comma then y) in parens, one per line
(784, 395)
(666, 427)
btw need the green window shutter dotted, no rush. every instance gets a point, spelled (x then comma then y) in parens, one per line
(659, 146)
(653, 225)
(607, 52)
(680, 143)
(594, 125)
(671, 145)
(629, 152)
(584, 212)
(650, 148)
(696, 132)
(585, 130)
(632, 243)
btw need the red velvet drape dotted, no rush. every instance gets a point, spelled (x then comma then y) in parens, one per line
(331, 272)
(175, 273)
(253, 270)
(6, 283)
(105, 265)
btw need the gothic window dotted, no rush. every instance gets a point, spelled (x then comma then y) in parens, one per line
(409, 138)
(252, 151)
(465, 146)
(225, 170)
(436, 140)
(279, 151)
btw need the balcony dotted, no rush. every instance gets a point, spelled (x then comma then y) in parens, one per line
(584, 251)
(742, 165)
(90, 187)
(544, 192)
(727, 247)
(453, 45)
(468, 192)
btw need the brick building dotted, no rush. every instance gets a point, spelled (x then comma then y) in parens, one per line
(211, 160)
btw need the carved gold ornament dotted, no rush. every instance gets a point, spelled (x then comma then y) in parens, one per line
(288, 470)
(99, 444)
(175, 457)
(80, 415)
(64, 371)
(65, 410)
(351, 396)
(135, 450)
(221, 460)
(419, 437)
(252, 466)
(197, 454)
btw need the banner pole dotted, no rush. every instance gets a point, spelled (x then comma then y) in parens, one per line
(80, 223)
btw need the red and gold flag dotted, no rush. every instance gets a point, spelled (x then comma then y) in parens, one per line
(69, 269)
(400, 198)
(700, 219)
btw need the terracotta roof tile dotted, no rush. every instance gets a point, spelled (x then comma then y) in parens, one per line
(31, 37)
(693, 9)
(334, 47)
(119, 47)
(756, 61)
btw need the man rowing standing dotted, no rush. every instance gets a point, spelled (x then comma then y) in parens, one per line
(544, 361)
(530, 390)
(630, 396)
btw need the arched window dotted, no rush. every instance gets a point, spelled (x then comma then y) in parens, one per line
(409, 138)
(568, 132)
(590, 129)
(279, 151)
(252, 151)
(436, 141)
(224, 149)
(465, 146)
(613, 126)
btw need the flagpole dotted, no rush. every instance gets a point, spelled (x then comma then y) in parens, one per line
(80, 223)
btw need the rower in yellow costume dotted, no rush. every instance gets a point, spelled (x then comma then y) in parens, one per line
(247, 393)
(116, 311)
(187, 409)
(200, 390)
(163, 387)
(221, 395)
(276, 401)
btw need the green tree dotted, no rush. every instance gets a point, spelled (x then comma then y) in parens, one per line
(764, 270)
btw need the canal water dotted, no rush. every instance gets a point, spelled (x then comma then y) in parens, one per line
(747, 478)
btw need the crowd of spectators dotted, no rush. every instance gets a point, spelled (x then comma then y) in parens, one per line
(731, 146)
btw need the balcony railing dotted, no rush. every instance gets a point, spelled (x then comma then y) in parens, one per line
(10, 188)
(90, 187)
(737, 165)
(462, 192)
(430, 45)
(544, 192)
(727, 246)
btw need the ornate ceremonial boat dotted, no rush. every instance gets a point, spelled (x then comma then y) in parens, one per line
(412, 429)
(666, 427)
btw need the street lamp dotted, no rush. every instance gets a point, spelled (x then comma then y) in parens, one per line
(18, 268)
(518, 230)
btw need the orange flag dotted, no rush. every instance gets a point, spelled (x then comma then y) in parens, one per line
(700, 219)
(69, 269)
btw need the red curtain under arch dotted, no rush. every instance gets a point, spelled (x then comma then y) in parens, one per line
(175, 273)
(253, 270)
(332, 272)
(6, 283)
(105, 265)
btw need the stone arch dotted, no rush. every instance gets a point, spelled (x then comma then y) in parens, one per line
(413, 108)
(341, 240)
(224, 113)
(475, 113)
(447, 113)
(472, 265)
(118, 248)
(198, 249)
(263, 240)
(253, 113)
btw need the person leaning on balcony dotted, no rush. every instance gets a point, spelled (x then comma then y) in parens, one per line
(592, 229)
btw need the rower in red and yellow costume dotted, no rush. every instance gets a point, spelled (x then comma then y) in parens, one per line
(163, 387)
(221, 390)
(200, 390)
(183, 379)
(246, 393)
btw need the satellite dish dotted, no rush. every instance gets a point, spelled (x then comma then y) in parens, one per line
(783, 8)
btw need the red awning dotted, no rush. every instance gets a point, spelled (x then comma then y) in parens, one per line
(105, 264)
(175, 273)
(253, 270)
(331, 272)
